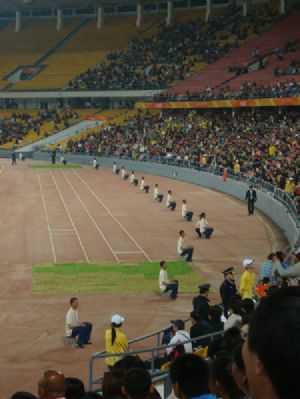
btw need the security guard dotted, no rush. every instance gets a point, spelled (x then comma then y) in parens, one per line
(201, 302)
(228, 289)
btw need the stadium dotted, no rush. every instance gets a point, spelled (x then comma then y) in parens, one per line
(149, 167)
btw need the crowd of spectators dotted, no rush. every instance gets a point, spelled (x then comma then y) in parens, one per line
(157, 62)
(17, 126)
(260, 143)
(292, 69)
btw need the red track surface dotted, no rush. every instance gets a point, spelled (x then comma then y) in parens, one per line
(88, 215)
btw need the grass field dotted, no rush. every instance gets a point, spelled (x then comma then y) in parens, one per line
(55, 166)
(126, 279)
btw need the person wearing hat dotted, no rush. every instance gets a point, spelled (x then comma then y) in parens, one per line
(247, 284)
(179, 336)
(115, 340)
(292, 271)
(201, 302)
(228, 290)
(251, 198)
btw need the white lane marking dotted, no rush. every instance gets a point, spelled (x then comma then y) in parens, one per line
(47, 218)
(110, 213)
(129, 252)
(92, 219)
(70, 218)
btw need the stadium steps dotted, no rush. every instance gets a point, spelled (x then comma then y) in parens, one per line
(218, 74)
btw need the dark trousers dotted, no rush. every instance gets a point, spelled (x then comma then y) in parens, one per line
(146, 189)
(198, 232)
(135, 182)
(189, 216)
(117, 171)
(160, 197)
(14, 161)
(208, 232)
(125, 177)
(173, 287)
(189, 252)
(83, 333)
(250, 207)
(172, 205)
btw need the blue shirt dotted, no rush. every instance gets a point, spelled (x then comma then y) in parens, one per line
(266, 269)
(206, 396)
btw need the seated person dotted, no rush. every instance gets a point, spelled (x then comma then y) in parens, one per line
(165, 284)
(76, 329)
(199, 327)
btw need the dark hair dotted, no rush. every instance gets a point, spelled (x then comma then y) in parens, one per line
(236, 306)
(91, 395)
(74, 388)
(220, 370)
(137, 383)
(280, 255)
(112, 383)
(191, 374)
(202, 214)
(248, 305)
(181, 231)
(72, 300)
(195, 315)
(23, 395)
(113, 331)
(215, 313)
(265, 280)
(270, 256)
(238, 358)
(162, 263)
(276, 321)
(129, 362)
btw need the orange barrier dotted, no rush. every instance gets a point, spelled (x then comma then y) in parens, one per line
(258, 102)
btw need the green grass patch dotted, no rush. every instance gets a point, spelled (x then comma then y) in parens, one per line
(141, 278)
(55, 166)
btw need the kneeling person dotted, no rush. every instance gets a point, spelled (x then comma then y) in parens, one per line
(165, 284)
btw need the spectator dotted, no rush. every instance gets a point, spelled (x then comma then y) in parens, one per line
(112, 384)
(199, 328)
(52, 385)
(247, 284)
(266, 269)
(235, 314)
(214, 318)
(201, 302)
(137, 384)
(115, 340)
(23, 395)
(74, 388)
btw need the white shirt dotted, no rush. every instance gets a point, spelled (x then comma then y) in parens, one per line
(156, 192)
(163, 278)
(132, 178)
(180, 245)
(169, 199)
(71, 319)
(94, 163)
(123, 172)
(181, 336)
(183, 210)
(114, 168)
(233, 320)
(142, 184)
(202, 225)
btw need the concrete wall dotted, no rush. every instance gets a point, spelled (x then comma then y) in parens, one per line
(266, 201)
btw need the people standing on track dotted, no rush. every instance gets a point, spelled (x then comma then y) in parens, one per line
(157, 196)
(202, 227)
(14, 158)
(185, 213)
(251, 198)
(115, 340)
(165, 284)
(182, 250)
(75, 328)
(170, 203)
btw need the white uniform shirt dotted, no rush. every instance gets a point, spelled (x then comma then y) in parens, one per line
(114, 168)
(183, 210)
(132, 178)
(163, 278)
(203, 224)
(169, 199)
(181, 336)
(180, 245)
(71, 319)
(155, 192)
(123, 172)
(94, 163)
(142, 184)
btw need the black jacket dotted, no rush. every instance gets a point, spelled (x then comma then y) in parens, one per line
(197, 330)
(200, 305)
(248, 197)
(228, 291)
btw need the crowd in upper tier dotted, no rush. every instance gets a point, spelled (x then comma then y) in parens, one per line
(261, 143)
(170, 55)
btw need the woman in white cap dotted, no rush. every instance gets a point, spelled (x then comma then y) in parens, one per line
(115, 340)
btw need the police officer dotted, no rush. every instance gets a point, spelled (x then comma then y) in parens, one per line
(228, 289)
(201, 302)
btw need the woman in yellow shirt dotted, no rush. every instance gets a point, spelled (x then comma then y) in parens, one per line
(115, 340)
(247, 284)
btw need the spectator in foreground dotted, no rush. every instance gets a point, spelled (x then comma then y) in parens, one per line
(190, 378)
(23, 395)
(74, 388)
(52, 385)
(115, 340)
(137, 384)
(271, 352)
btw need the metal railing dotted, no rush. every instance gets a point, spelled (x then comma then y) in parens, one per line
(154, 352)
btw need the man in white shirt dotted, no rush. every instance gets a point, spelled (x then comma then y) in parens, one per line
(180, 335)
(188, 215)
(156, 195)
(165, 284)
(115, 169)
(95, 163)
(124, 175)
(74, 328)
(144, 188)
(170, 203)
(183, 251)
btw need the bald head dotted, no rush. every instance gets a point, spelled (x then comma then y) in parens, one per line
(51, 385)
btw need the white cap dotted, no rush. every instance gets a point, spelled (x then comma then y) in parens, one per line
(247, 262)
(117, 319)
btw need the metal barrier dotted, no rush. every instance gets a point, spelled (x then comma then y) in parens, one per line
(153, 352)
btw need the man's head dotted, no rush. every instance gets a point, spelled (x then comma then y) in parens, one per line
(137, 384)
(74, 388)
(177, 324)
(272, 256)
(51, 385)
(229, 273)
(195, 317)
(74, 303)
(204, 289)
(189, 376)
(248, 264)
(214, 313)
(163, 264)
(181, 233)
(184, 201)
(272, 352)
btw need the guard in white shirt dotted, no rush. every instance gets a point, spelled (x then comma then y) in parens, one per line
(158, 197)
(188, 215)
(144, 188)
(74, 328)
(170, 203)
(182, 250)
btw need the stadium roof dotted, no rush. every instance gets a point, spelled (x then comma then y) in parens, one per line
(11, 5)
